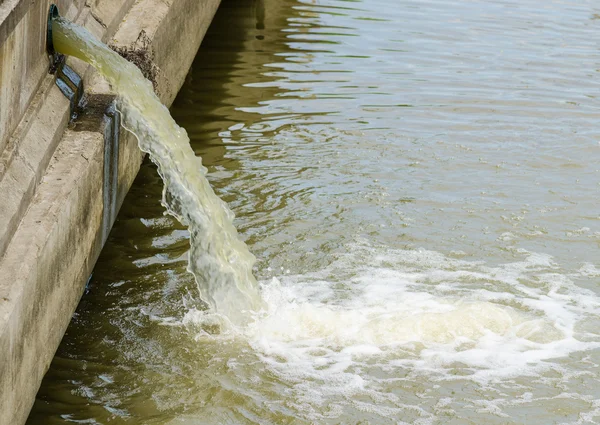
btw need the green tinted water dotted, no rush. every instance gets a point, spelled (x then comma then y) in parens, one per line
(218, 259)
(418, 182)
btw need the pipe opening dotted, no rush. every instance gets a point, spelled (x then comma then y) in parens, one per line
(52, 15)
(56, 57)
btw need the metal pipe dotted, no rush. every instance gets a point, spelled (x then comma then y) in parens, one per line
(67, 80)
(52, 15)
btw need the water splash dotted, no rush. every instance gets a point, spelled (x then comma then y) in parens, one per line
(219, 260)
(378, 329)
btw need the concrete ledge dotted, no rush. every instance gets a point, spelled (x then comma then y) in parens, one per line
(52, 220)
(28, 154)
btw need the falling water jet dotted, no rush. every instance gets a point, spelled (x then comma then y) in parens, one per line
(220, 262)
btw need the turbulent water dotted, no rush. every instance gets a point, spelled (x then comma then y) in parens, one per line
(220, 262)
(419, 183)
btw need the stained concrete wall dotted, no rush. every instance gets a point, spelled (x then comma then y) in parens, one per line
(52, 200)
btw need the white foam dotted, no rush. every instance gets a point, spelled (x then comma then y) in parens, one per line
(415, 312)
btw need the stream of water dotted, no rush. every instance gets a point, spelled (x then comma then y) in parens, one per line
(220, 262)
(418, 182)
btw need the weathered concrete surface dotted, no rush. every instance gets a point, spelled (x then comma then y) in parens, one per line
(51, 181)
(33, 112)
(63, 221)
(163, 24)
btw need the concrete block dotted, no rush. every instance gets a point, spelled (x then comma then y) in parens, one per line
(166, 23)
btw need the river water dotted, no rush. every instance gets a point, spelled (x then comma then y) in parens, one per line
(418, 181)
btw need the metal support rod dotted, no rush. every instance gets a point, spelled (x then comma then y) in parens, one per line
(111, 169)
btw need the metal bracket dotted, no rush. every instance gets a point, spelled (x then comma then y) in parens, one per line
(71, 85)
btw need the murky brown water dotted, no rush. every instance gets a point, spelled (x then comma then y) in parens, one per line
(419, 183)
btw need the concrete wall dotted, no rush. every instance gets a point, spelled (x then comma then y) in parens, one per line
(53, 211)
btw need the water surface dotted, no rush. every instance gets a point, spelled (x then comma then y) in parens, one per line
(418, 181)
